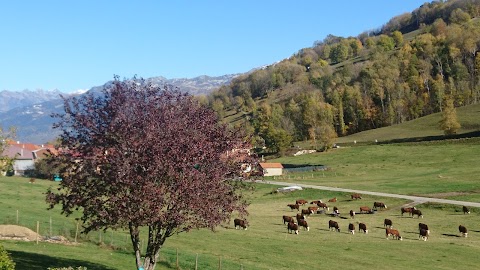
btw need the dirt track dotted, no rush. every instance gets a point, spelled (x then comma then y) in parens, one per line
(415, 199)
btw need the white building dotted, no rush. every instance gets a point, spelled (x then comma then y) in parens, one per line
(272, 169)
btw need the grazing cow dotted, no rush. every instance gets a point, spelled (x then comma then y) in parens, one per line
(292, 227)
(466, 210)
(379, 205)
(417, 212)
(355, 196)
(304, 224)
(407, 210)
(365, 209)
(362, 227)
(240, 223)
(306, 212)
(333, 224)
(323, 205)
(313, 209)
(299, 217)
(294, 206)
(333, 200)
(463, 230)
(423, 226)
(351, 228)
(394, 233)
(387, 222)
(301, 202)
(423, 234)
(316, 202)
(352, 214)
(287, 219)
(335, 211)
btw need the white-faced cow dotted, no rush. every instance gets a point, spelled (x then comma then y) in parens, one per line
(287, 219)
(362, 227)
(417, 212)
(323, 205)
(379, 205)
(423, 226)
(351, 228)
(316, 202)
(292, 227)
(299, 217)
(304, 224)
(356, 196)
(240, 223)
(301, 202)
(423, 234)
(463, 230)
(407, 210)
(365, 209)
(333, 225)
(465, 210)
(352, 214)
(394, 233)
(313, 209)
(294, 206)
(388, 222)
(336, 212)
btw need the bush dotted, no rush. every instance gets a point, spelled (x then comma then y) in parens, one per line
(6, 262)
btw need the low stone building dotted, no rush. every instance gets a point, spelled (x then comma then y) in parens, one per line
(272, 169)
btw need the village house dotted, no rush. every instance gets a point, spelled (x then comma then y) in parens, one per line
(272, 169)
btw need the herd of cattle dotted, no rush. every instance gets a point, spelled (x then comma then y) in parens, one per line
(300, 220)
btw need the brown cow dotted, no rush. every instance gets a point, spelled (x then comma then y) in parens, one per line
(362, 227)
(240, 223)
(365, 209)
(292, 227)
(287, 219)
(301, 202)
(463, 230)
(387, 222)
(394, 233)
(313, 209)
(316, 202)
(417, 212)
(379, 205)
(306, 212)
(355, 196)
(333, 224)
(465, 210)
(333, 200)
(294, 206)
(323, 205)
(423, 234)
(351, 228)
(304, 224)
(352, 214)
(424, 227)
(299, 217)
(336, 212)
(407, 210)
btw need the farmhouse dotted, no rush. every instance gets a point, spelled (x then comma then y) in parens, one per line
(271, 169)
(24, 155)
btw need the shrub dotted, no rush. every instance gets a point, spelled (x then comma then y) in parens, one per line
(6, 262)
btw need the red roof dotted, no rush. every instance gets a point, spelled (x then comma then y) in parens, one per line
(271, 165)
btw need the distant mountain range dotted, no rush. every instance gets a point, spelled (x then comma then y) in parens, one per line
(29, 111)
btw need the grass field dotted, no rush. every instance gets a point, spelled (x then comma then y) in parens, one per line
(440, 169)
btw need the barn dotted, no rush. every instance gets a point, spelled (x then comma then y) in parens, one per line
(271, 169)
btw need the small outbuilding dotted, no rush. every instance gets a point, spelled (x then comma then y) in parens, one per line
(271, 169)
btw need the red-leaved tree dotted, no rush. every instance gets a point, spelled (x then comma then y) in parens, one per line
(139, 155)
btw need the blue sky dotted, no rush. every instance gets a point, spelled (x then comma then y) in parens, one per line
(72, 45)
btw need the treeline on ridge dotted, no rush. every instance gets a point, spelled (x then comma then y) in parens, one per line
(406, 69)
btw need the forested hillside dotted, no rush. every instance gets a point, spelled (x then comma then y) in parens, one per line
(404, 70)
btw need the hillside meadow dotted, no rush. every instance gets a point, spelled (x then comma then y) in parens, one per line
(446, 169)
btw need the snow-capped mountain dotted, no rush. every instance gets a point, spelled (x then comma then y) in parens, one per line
(31, 116)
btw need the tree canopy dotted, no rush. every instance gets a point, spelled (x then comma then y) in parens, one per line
(138, 154)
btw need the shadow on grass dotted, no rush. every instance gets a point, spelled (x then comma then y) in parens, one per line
(449, 234)
(34, 261)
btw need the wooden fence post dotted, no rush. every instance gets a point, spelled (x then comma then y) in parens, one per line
(50, 226)
(196, 262)
(17, 216)
(177, 259)
(76, 232)
(220, 263)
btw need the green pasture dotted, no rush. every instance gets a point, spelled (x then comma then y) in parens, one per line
(444, 169)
